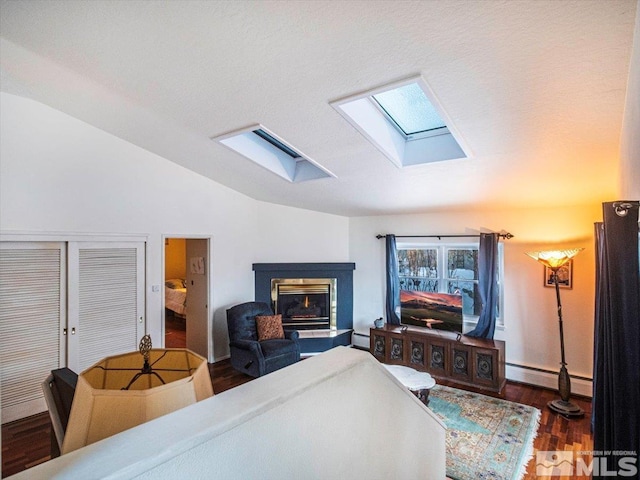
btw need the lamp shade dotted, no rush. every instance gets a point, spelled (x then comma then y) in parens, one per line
(554, 259)
(114, 395)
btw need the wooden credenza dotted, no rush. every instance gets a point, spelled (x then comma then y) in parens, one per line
(476, 362)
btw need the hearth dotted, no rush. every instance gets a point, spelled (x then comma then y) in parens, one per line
(305, 303)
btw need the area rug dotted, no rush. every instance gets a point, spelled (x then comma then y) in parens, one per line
(487, 438)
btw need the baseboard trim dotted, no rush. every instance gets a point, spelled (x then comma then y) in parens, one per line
(223, 357)
(360, 340)
(546, 378)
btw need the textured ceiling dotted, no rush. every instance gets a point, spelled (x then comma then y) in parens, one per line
(536, 89)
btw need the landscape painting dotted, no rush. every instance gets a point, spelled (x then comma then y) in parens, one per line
(440, 311)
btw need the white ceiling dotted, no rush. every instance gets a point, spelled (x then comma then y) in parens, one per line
(535, 88)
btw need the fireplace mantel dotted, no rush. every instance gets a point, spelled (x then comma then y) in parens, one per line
(342, 272)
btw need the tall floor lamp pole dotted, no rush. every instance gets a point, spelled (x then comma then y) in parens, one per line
(554, 260)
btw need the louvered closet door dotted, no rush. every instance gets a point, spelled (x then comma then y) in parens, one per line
(32, 316)
(106, 300)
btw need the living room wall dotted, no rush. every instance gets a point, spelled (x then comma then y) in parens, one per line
(630, 138)
(60, 176)
(530, 318)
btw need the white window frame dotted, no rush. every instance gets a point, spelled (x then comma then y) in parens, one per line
(443, 278)
(366, 116)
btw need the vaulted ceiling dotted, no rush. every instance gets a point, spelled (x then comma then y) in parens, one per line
(535, 89)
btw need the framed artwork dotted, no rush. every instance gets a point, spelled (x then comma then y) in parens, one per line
(565, 276)
(196, 265)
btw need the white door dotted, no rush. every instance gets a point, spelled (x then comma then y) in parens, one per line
(198, 331)
(32, 315)
(106, 300)
(64, 304)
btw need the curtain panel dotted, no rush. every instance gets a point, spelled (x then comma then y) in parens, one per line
(616, 376)
(393, 280)
(487, 285)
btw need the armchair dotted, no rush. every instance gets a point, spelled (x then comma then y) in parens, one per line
(253, 357)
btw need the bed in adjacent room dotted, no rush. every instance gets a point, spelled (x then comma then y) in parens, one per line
(175, 296)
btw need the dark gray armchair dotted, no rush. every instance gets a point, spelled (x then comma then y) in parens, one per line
(250, 356)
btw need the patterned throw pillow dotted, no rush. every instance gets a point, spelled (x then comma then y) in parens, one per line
(269, 326)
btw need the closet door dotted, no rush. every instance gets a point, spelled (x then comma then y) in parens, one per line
(32, 317)
(106, 300)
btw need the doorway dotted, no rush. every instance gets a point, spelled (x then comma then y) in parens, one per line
(186, 302)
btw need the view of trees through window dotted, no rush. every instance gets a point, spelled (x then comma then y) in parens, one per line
(444, 269)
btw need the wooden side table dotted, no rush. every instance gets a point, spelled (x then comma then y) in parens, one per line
(419, 383)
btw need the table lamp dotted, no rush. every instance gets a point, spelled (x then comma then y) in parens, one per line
(116, 394)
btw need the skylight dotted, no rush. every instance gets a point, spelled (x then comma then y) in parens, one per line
(409, 108)
(271, 152)
(276, 143)
(405, 122)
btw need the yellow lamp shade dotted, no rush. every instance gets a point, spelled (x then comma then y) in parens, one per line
(102, 407)
(554, 259)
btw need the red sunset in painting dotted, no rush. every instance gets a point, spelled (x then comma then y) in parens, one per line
(431, 298)
(432, 310)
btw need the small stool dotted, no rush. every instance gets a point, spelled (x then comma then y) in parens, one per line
(419, 383)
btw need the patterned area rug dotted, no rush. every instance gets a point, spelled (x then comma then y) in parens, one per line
(487, 438)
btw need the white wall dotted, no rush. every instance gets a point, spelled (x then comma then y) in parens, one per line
(59, 174)
(531, 322)
(630, 138)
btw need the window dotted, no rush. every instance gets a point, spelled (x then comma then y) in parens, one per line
(271, 152)
(410, 110)
(450, 268)
(276, 143)
(405, 122)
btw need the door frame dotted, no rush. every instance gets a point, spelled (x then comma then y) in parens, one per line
(208, 277)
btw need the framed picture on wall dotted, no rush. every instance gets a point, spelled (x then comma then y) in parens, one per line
(565, 276)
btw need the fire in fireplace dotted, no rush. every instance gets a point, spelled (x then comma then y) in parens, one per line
(305, 303)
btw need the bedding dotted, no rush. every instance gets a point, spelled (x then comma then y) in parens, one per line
(175, 296)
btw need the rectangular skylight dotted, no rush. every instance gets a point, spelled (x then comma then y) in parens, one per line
(410, 109)
(269, 151)
(276, 143)
(405, 122)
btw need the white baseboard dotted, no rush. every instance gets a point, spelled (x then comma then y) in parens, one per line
(518, 373)
(223, 357)
(24, 409)
(360, 340)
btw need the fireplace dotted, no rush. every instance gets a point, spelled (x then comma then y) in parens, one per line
(305, 303)
(312, 292)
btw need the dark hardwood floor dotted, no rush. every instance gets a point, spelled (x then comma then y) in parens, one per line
(26, 442)
(175, 331)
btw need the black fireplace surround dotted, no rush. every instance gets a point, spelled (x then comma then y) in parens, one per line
(342, 272)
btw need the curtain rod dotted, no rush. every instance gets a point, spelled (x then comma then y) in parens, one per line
(506, 236)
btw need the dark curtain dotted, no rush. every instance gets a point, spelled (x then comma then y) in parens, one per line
(393, 281)
(487, 285)
(616, 376)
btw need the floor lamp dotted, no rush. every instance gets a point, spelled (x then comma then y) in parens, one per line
(554, 260)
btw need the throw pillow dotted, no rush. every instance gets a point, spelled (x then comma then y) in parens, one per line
(269, 327)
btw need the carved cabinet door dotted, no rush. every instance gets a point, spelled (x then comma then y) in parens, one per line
(396, 345)
(485, 366)
(461, 366)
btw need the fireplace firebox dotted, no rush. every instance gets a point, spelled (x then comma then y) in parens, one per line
(305, 303)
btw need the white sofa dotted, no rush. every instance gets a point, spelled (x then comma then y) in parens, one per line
(333, 416)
